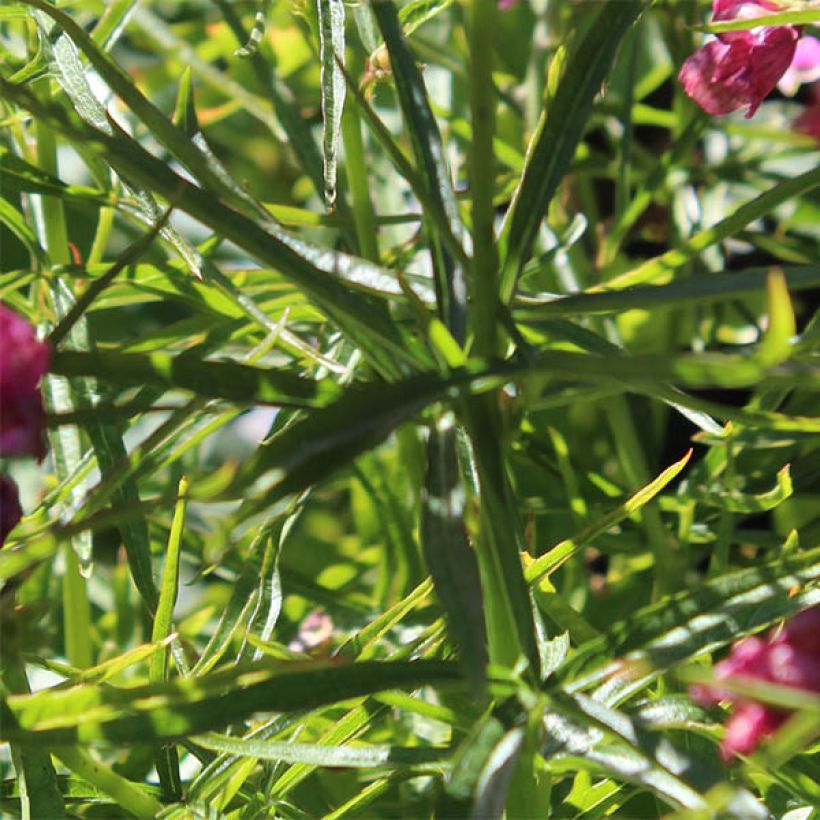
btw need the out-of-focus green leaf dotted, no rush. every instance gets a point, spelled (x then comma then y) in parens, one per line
(91, 714)
(222, 379)
(776, 345)
(699, 289)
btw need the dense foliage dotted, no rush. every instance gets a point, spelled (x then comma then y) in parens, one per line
(430, 395)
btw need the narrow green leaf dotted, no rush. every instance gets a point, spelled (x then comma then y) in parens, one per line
(114, 667)
(795, 17)
(169, 588)
(471, 759)
(331, 53)
(663, 267)
(114, 19)
(65, 63)
(221, 379)
(776, 345)
(128, 796)
(416, 13)
(256, 595)
(256, 34)
(166, 756)
(358, 644)
(14, 221)
(499, 543)
(39, 791)
(312, 449)
(738, 502)
(183, 707)
(561, 552)
(559, 130)
(669, 632)
(325, 756)
(448, 552)
(697, 289)
(444, 221)
(595, 734)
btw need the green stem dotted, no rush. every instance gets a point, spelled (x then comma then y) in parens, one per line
(630, 452)
(510, 628)
(357, 179)
(65, 442)
(55, 234)
(126, 794)
(726, 522)
(105, 223)
(76, 613)
(484, 284)
(166, 756)
(37, 781)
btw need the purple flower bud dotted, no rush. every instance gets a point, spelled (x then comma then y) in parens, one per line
(23, 361)
(10, 510)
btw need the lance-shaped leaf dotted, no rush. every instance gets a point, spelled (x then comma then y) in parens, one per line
(230, 380)
(559, 129)
(448, 552)
(695, 289)
(332, 53)
(444, 221)
(94, 714)
(65, 64)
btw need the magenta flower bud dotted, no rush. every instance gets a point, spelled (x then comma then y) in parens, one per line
(747, 726)
(739, 68)
(23, 361)
(802, 631)
(788, 657)
(10, 510)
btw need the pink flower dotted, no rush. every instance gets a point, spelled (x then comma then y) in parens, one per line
(804, 68)
(23, 361)
(739, 68)
(789, 657)
(10, 510)
(503, 5)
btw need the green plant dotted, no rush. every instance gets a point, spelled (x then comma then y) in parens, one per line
(472, 566)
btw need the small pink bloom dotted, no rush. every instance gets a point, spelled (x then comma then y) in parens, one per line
(750, 722)
(788, 657)
(739, 68)
(804, 68)
(23, 361)
(10, 510)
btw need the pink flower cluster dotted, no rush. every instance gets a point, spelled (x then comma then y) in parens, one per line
(788, 657)
(740, 68)
(23, 361)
